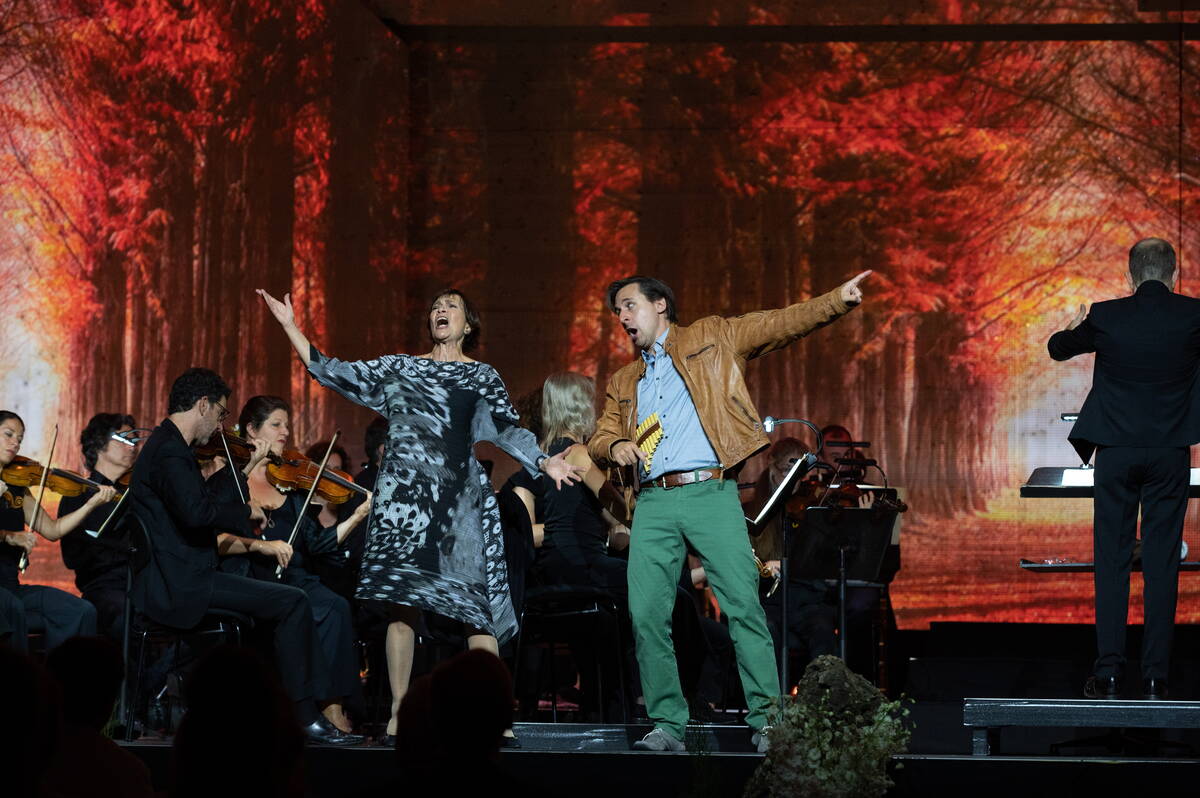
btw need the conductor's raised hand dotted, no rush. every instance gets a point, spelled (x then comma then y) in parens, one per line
(627, 453)
(559, 470)
(851, 293)
(282, 311)
(1079, 317)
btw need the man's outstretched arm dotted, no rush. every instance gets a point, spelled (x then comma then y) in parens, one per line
(1077, 339)
(765, 331)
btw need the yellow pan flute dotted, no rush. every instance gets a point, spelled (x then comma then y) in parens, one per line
(649, 433)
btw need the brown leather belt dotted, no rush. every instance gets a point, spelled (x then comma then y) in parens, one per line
(676, 478)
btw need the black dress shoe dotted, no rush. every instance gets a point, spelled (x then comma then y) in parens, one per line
(1154, 689)
(1103, 687)
(322, 732)
(386, 741)
(509, 742)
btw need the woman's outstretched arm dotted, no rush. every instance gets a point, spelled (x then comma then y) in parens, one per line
(282, 311)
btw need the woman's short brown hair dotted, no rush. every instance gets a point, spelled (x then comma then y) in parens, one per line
(471, 339)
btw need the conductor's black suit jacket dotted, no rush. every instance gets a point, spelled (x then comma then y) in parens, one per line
(1144, 386)
(170, 498)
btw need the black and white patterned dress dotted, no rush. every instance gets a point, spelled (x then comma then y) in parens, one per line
(434, 539)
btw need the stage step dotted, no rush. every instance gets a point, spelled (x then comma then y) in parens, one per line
(985, 716)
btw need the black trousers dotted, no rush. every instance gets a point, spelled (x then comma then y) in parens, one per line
(287, 609)
(12, 621)
(812, 619)
(337, 672)
(55, 613)
(107, 595)
(1156, 480)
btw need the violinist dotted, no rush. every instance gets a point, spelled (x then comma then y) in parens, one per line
(832, 484)
(99, 566)
(374, 437)
(265, 419)
(333, 512)
(865, 606)
(55, 613)
(181, 582)
(812, 618)
(836, 445)
(338, 569)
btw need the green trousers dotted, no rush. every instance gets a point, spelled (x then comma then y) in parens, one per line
(706, 515)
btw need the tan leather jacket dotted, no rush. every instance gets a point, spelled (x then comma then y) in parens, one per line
(711, 357)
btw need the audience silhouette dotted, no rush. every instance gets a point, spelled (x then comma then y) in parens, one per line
(88, 672)
(27, 746)
(237, 710)
(449, 729)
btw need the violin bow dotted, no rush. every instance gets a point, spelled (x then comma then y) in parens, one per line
(114, 512)
(300, 516)
(37, 507)
(237, 483)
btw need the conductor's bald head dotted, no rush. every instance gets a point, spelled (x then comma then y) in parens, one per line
(1152, 259)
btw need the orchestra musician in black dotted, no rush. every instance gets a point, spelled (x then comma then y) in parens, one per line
(1140, 417)
(181, 581)
(24, 607)
(99, 565)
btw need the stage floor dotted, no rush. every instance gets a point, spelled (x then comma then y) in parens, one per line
(581, 761)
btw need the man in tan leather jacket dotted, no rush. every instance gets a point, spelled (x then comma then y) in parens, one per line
(690, 381)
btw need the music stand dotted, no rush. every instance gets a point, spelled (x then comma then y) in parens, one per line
(774, 504)
(106, 538)
(843, 543)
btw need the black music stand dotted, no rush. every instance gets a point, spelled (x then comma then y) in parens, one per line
(774, 504)
(111, 541)
(843, 544)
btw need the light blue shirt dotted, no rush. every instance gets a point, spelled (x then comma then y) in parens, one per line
(684, 445)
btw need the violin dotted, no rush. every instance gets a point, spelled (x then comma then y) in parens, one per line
(845, 494)
(287, 472)
(23, 472)
(806, 495)
(239, 448)
(292, 470)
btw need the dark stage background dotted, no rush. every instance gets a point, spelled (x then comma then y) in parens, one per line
(992, 162)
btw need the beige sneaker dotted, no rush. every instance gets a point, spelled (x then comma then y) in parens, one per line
(658, 740)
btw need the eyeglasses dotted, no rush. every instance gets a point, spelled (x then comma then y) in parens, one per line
(131, 437)
(224, 413)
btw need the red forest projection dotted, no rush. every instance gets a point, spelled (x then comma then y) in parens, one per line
(161, 159)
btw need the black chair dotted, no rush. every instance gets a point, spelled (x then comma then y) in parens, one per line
(35, 645)
(552, 615)
(225, 625)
